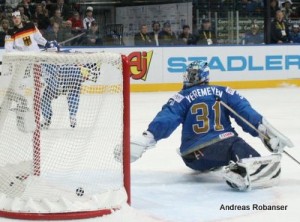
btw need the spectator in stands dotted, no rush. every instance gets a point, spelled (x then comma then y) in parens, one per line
(54, 33)
(29, 8)
(113, 38)
(66, 30)
(242, 8)
(41, 18)
(77, 24)
(87, 21)
(2, 5)
(248, 8)
(280, 2)
(254, 36)
(167, 36)
(287, 9)
(12, 3)
(23, 16)
(259, 10)
(44, 8)
(297, 11)
(274, 4)
(186, 37)
(57, 18)
(8, 15)
(142, 38)
(295, 33)
(93, 36)
(2, 13)
(63, 7)
(221, 7)
(206, 35)
(279, 29)
(3, 31)
(4, 25)
(154, 34)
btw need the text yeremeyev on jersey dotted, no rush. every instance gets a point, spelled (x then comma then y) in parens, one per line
(207, 91)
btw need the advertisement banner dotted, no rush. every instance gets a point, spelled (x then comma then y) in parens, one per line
(236, 63)
(153, 66)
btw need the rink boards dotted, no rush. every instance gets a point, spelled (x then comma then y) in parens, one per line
(161, 68)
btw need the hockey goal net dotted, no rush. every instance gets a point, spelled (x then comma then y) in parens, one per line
(62, 115)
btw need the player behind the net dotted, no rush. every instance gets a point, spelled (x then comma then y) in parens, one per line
(67, 79)
(24, 36)
(208, 140)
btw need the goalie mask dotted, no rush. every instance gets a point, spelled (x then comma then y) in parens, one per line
(196, 73)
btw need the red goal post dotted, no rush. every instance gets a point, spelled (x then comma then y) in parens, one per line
(68, 169)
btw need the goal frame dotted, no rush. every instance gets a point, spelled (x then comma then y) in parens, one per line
(126, 155)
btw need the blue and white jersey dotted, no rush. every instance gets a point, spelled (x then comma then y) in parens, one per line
(63, 71)
(204, 120)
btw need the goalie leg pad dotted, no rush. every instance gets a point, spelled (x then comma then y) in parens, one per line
(256, 172)
(236, 176)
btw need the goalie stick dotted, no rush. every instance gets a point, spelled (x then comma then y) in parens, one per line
(72, 38)
(68, 40)
(282, 137)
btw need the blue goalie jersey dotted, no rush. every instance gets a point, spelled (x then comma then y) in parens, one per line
(204, 120)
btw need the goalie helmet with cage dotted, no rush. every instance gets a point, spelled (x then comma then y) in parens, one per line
(196, 73)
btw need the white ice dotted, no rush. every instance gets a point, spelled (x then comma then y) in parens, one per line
(164, 189)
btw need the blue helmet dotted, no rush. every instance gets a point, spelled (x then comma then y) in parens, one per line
(196, 73)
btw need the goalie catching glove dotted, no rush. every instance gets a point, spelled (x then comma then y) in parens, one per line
(272, 138)
(138, 146)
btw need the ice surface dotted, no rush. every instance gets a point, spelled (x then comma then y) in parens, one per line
(164, 189)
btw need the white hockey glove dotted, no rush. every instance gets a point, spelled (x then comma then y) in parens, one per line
(272, 138)
(140, 144)
(52, 46)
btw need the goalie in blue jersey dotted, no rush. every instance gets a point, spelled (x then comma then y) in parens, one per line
(65, 80)
(208, 139)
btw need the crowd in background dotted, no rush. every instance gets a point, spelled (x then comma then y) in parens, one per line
(72, 24)
(55, 19)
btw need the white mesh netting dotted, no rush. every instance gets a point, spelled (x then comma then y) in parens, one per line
(61, 117)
